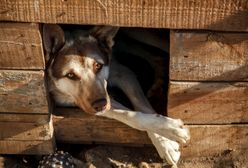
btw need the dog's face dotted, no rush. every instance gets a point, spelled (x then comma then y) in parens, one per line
(79, 66)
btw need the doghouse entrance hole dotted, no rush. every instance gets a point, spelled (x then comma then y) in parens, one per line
(145, 52)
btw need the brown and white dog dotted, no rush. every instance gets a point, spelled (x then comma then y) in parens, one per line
(80, 67)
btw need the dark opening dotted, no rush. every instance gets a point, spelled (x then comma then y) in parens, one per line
(145, 52)
(135, 49)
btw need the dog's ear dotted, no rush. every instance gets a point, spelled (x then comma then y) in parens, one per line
(53, 38)
(105, 34)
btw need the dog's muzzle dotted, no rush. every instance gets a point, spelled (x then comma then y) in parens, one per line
(100, 105)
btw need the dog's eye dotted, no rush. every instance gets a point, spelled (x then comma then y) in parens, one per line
(72, 76)
(97, 66)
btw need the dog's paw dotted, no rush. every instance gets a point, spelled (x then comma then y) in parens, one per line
(168, 150)
(177, 131)
(173, 129)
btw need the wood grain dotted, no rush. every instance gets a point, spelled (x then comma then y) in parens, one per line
(27, 147)
(209, 140)
(21, 46)
(23, 92)
(24, 117)
(71, 125)
(208, 56)
(208, 102)
(74, 126)
(26, 138)
(225, 15)
(25, 131)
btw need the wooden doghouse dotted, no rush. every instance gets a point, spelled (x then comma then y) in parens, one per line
(208, 73)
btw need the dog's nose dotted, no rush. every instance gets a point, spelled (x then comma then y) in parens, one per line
(100, 104)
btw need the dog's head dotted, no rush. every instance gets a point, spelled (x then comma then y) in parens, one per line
(78, 65)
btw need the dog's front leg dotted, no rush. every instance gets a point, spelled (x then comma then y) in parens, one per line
(164, 126)
(167, 149)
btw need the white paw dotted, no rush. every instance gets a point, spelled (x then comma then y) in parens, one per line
(168, 150)
(171, 128)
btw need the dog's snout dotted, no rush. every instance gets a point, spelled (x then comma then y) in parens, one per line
(100, 104)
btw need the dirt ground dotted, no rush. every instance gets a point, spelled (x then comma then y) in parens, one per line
(107, 156)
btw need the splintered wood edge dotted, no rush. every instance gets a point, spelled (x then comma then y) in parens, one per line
(73, 126)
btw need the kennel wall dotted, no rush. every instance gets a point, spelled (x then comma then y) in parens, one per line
(25, 125)
(208, 72)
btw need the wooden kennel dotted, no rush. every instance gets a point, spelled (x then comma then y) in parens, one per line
(208, 73)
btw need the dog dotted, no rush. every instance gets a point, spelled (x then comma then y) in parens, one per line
(80, 65)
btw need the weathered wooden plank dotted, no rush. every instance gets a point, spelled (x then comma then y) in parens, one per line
(208, 102)
(226, 15)
(27, 147)
(23, 92)
(74, 126)
(24, 118)
(26, 138)
(71, 125)
(21, 46)
(208, 56)
(17, 131)
(209, 140)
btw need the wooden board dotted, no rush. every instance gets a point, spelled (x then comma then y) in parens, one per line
(23, 92)
(74, 126)
(26, 138)
(208, 102)
(27, 147)
(215, 139)
(226, 15)
(24, 117)
(21, 46)
(208, 56)
(71, 125)
(25, 131)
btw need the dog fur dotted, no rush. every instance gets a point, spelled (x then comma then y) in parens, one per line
(80, 66)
